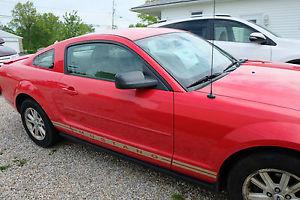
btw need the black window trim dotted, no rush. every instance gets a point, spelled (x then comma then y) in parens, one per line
(164, 83)
(44, 52)
(206, 35)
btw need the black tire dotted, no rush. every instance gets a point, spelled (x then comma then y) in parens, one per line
(249, 165)
(51, 135)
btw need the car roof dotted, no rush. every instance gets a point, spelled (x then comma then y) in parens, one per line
(167, 22)
(225, 17)
(136, 33)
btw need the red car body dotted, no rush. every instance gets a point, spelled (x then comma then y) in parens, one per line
(181, 130)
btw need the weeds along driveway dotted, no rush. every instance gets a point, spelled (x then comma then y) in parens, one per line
(74, 171)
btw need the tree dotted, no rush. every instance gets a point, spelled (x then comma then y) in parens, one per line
(48, 29)
(73, 26)
(24, 18)
(145, 19)
(41, 30)
(7, 29)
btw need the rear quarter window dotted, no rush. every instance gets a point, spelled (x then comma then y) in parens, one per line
(45, 60)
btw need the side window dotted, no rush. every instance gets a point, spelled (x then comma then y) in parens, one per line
(227, 30)
(45, 60)
(242, 34)
(102, 60)
(198, 27)
(221, 33)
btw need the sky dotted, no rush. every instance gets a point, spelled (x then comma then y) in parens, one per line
(95, 12)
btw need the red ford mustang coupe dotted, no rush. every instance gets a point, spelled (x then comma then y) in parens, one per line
(145, 93)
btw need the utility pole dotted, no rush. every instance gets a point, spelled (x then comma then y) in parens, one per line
(113, 26)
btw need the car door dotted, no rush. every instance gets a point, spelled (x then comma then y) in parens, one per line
(233, 37)
(138, 122)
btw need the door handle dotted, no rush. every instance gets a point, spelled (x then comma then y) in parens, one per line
(70, 90)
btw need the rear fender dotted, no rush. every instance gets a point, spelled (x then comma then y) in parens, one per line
(28, 88)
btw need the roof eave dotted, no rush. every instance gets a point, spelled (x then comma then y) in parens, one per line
(15, 37)
(150, 11)
(147, 7)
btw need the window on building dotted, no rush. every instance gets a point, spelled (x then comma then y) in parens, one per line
(254, 21)
(44, 60)
(196, 13)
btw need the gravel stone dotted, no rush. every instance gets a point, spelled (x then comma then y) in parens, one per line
(75, 171)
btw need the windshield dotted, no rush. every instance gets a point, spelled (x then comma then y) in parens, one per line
(185, 56)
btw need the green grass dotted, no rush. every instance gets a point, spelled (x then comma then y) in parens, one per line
(2, 152)
(20, 162)
(177, 197)
(4, 167)
(52, 151)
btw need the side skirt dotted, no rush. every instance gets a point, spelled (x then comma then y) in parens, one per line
(209, 186)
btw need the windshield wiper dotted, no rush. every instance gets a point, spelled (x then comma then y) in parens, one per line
(205, 79)
(234, 65)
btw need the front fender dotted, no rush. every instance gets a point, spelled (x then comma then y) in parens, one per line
(268, 134)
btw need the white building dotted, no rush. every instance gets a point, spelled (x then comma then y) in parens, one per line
(279, 16)
(12, 41)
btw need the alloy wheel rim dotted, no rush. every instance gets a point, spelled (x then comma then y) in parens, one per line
(35, 124)
(271, 184)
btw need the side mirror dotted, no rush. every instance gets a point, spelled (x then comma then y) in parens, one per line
(258, 38)
(134, 80)
(2, 41)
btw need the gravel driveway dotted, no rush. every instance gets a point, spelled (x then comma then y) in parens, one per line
(74, 171)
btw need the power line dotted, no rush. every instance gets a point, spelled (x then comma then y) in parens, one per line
(5, 16)
(13, 3)
(101, 12)
(113, 26)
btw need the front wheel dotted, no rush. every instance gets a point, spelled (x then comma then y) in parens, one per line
(37, 124)
(265, 177)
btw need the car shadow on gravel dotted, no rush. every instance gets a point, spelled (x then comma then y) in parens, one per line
(70, 170)
(182, 188)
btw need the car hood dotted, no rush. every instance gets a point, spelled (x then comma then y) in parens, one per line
(291, 44)
(262, 82)
(290, 41)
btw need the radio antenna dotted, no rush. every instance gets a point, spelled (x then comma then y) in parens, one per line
(211, 95)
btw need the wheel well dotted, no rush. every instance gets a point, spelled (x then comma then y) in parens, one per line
(233, 159)
(296, 61)
(20, 99)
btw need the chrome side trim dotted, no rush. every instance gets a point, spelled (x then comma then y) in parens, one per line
(138, 151)
(195, 169)
(115, 144)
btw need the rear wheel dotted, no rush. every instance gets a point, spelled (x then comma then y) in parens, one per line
(265, 177)
(37, 124)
